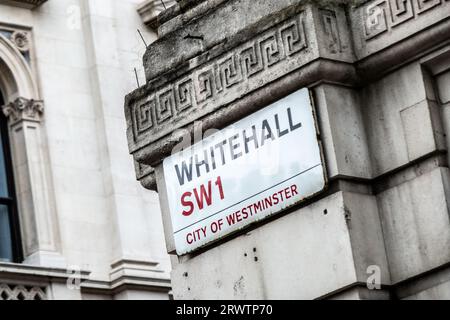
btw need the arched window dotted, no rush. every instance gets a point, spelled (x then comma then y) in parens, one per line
(10, 245)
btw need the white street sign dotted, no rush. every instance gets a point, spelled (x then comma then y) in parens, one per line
(253, 169)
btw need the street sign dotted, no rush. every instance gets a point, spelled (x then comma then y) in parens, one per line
(253, 169)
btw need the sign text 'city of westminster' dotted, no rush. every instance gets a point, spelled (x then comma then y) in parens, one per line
(253, 169)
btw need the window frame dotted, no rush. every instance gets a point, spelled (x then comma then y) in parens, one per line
(11, 201)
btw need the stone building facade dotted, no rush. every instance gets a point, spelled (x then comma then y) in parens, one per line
(379, 75)
(74, 222)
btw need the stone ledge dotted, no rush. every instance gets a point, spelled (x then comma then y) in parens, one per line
(29, 4)
(313, 72)
(130, 274)
(28, 272)
(232, 70)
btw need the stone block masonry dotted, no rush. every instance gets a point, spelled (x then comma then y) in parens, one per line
(378, 72)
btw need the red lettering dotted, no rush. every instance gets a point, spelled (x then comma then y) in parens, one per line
(245, 213)
(219, 185)
(231, 219)
(203, 196)
(294, 190)
(238, 216)
(196, 235)
(257, 206)
(186, 203)
(275, 199)
(189, 238)
(287, 192)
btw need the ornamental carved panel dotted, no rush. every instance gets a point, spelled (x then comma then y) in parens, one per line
(217, 79)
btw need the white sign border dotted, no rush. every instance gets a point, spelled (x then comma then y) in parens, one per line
(274, 216)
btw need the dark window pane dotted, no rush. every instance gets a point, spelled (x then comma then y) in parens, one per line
(5, 235)
(3, 177)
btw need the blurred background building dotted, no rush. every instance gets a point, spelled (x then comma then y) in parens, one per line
(74, 222)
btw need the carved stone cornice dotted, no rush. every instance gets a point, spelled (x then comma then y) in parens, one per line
(216, 72)
(30, 4)
(24, 109)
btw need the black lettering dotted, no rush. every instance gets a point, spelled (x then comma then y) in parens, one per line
(213, 158)
(186, 172)
(204, 162)
(291, 123)
(234, 146)
(253, 138)
(280, 132)
(266, 136)
(220, 147)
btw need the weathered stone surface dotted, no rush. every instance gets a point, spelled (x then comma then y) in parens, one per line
(381, 23)
(432, 286)
(410, 215)
(379, 74)
(399, 121)
(195, 69)
(284, 254)
(347, 150)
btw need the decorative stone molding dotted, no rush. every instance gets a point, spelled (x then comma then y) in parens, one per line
(252, 60)
(195, 72)
(127, 274)
(30, 282)
(36, 205)
(38, 219)
(149, 11)
(24, 109)
(381, 23)
(21, 40)
(146, 175)
(384, 15)
(145, 273)
(22, 82)
(29, 4)
(20, 292)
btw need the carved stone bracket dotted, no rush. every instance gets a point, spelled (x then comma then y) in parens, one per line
(24, 109)
(146, 175)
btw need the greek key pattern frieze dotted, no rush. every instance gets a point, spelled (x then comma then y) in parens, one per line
(380, 16)
(216, 78)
